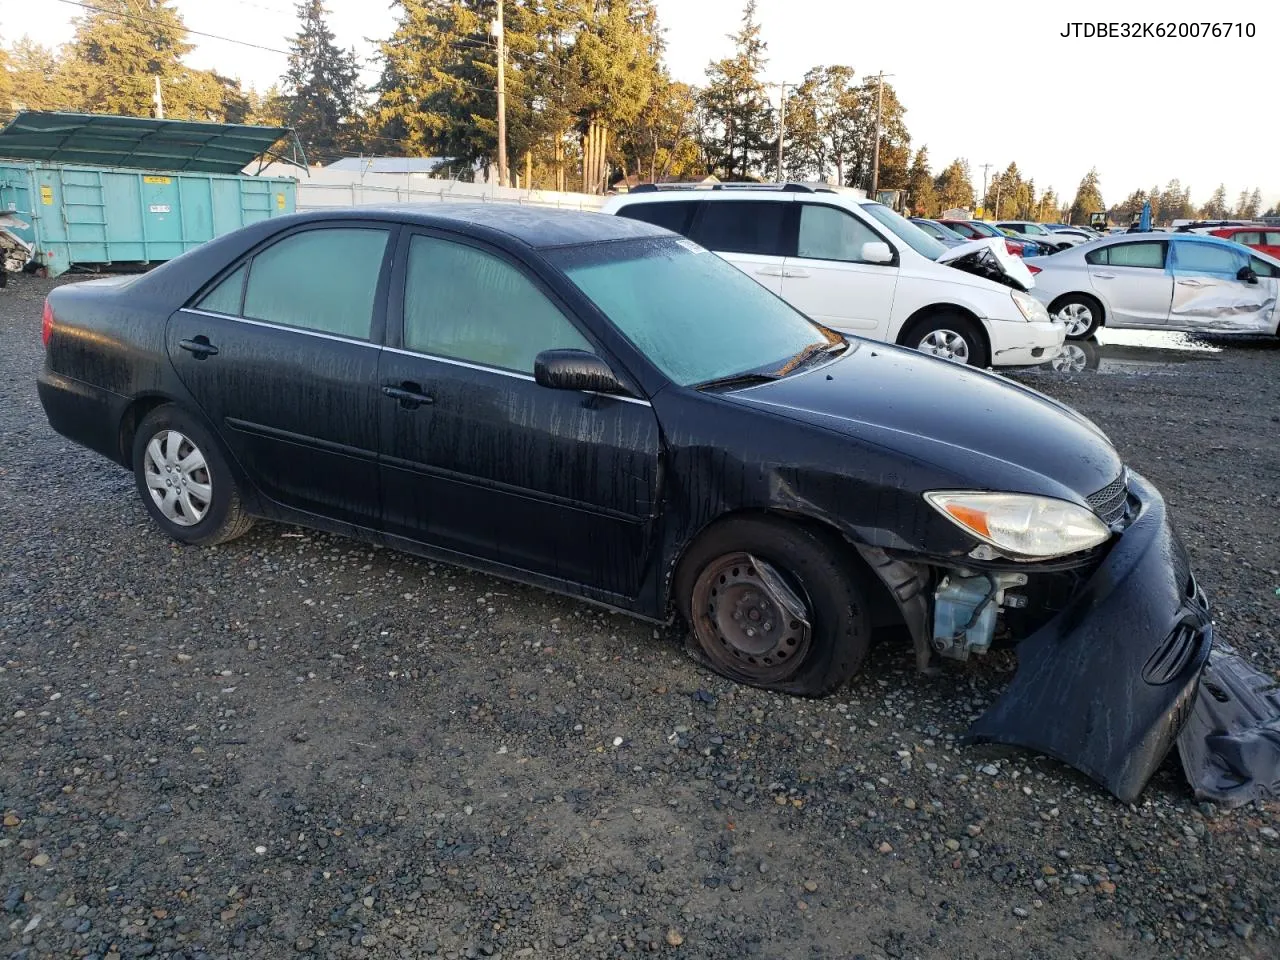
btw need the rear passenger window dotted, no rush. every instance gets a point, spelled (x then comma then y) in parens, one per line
(742, 226)
(1247, 237)
(1143, 254)
(321, 280)
(829, 233)
(1273, 239)
(674, 216)
(226, 296)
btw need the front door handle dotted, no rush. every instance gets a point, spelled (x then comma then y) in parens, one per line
(200, 347)
(796, 273)
(409, 394)
(769, 271)
(1190, 283)
(1104, 276)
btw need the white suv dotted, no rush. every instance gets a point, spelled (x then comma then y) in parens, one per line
(858, 267)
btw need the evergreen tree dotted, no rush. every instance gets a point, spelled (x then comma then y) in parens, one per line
(1249, 210)
(1216, 208)
(923, 197)
(33, 71)
(954, 186)
(736, 105)
(1088, 198)
(821, 117)
(321, 86)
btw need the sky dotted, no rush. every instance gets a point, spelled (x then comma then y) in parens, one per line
(992, 82)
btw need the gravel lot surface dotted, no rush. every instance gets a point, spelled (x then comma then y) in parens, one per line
(296, 745)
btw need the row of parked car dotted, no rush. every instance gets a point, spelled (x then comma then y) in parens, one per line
(1022, 238)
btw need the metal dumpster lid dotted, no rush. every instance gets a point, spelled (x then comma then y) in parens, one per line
(140, 142)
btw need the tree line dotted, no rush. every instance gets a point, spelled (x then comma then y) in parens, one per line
(589, 98)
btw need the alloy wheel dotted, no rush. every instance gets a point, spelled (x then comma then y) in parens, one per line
(1078, 318)
(178, 478)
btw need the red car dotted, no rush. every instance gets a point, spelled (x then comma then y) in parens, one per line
(1260, 238)
(976, 230)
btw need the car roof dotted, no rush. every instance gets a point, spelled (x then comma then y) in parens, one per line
(538, 227)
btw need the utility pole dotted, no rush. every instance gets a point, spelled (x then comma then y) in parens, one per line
(875, 155)
(159, 100)
(500, 35)
(985, 168)
(782, 126)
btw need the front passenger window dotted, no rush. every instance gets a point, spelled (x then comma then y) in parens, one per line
(466, 304)
(829, 233)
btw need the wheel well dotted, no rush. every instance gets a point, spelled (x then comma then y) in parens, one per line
(1102, 311)
(942, 309)
(133, 416)
(884, 609)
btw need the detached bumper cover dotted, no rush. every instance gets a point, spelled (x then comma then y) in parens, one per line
(1108, 683)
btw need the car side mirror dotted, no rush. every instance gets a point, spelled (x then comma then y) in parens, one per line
(1247, 274)
(876, 251)
(575, 370)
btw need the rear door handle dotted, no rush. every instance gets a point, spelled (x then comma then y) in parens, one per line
(200, 347)
(409, 394)
(769, 271)
(1104, 276)
(799, 274)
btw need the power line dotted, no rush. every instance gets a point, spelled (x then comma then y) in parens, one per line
(161, 23)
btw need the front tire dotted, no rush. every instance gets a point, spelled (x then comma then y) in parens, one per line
(774, 605)
(949, 336)
(1081, 313)
(184, 480)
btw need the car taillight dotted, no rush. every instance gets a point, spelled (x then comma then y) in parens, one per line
(1013, 247)
(1034, 269)
(46, 324)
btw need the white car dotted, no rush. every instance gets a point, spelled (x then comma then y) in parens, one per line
(858, 267)
(1161, 281)
(1076, 235)
(1038, 233)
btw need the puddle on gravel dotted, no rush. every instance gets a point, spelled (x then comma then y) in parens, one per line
(1131, 351)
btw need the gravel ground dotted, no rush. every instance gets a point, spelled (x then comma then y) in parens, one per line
(300, 745)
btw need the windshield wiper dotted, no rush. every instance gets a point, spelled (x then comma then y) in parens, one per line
(736, 380)
(825, 347)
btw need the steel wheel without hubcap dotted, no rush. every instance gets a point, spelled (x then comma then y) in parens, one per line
(750, 619)
(1078, 318)
(946, 344)
(178, 478)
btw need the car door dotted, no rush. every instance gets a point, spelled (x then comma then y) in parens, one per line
(1208, 292)
(1132, 281)
(481, 461)
(1271, 243)
(750, 234)
(281, 355)
(829, 280)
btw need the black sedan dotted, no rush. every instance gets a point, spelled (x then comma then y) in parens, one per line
(596, 406)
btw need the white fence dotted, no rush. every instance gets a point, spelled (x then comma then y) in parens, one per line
(326, 189)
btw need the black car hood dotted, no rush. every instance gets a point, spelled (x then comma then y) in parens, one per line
(983, 430)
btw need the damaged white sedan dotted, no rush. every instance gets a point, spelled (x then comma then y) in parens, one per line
(1160, 281)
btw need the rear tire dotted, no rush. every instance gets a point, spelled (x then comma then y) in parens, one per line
(1080, 312)
(950, 336)
(184, 480)
(774, 605)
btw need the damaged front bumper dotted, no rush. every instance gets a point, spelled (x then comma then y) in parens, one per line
(1108, 683)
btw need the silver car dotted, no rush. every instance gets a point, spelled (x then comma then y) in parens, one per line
(1160, 281)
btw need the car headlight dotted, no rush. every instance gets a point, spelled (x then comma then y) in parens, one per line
(1022, 526)
(1031, 308)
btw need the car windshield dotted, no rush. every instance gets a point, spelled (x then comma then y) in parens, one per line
(905, 230)
(697, 318)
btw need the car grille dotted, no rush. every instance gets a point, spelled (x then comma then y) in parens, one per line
(1109, 502)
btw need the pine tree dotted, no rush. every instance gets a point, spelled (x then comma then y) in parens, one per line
(1252, 206)
(735, 103)
(1088, 198)
(923, 197)
(321, 86)
(33, 70)
(954, 186)
(1216, 208)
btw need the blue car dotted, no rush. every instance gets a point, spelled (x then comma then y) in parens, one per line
(943, 234)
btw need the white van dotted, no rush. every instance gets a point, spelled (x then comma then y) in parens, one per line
(858, 267)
